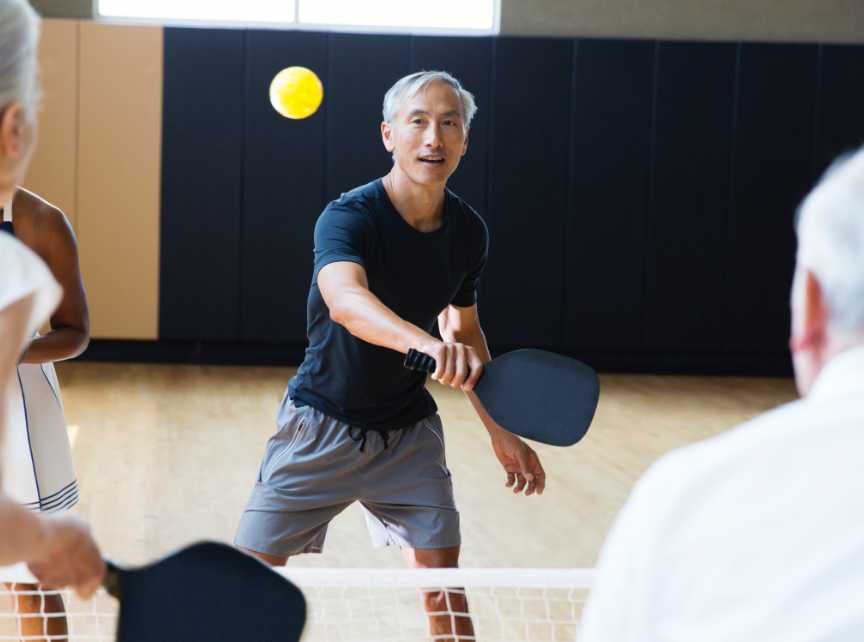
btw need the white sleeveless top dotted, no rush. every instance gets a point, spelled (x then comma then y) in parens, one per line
(22, 274)
(36, 458)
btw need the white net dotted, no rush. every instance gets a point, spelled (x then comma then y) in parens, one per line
(503, 605)
(354, 605)
(27, 613)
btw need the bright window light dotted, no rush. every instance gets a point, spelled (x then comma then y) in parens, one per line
(439, 14)
(279, 11)
(390, 15)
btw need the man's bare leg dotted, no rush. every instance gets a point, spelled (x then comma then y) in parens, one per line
(272, 560)
(40, 616)
(447, 602)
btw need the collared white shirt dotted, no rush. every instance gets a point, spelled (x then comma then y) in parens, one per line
(753, 536)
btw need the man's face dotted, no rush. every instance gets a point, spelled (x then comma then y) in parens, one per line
(427, 137)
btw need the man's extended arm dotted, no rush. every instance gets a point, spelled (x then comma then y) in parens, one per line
(459, 357)
(459, 325)
(345, 290)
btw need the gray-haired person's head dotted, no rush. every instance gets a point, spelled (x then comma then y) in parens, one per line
(831, 243)
(19, 38)
(412, 84)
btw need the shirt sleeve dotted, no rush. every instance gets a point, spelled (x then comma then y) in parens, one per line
(341, 234)
(478, 253)
(622, 599)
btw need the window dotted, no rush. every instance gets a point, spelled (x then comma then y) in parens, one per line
(201, 10)
(464, 16)
(431, 14)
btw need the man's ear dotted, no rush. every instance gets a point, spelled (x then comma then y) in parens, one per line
(812, 324)
(387, 136)
(465, 145)
(11, 130)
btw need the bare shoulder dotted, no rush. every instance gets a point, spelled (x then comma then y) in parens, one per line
(40, 224)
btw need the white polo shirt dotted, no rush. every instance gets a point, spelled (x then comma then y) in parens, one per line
(753, 536)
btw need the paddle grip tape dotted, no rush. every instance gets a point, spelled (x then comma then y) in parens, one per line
(421, 361)
(111, 581)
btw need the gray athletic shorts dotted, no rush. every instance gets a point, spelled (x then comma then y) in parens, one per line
(312, 470)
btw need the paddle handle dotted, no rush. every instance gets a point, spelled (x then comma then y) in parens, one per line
(111, 581)
(420, 361)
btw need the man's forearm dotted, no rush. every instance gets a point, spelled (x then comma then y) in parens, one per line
(367, 318)
(475, 338)
(492, 427)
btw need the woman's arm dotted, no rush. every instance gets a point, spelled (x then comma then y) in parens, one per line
(50, 235)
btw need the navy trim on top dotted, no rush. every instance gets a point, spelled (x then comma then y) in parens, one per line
(50, 385)
(59, 501)
(29, 444)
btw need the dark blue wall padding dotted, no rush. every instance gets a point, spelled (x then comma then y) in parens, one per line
(362, 69)
(609, 175)
(523, 294)
(840, 127)
(688, 249)
(202, 177)
(640, 194)
(772, 165)
(283, 189)
(470, 61)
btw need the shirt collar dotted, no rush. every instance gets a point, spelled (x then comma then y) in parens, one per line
(841, 376)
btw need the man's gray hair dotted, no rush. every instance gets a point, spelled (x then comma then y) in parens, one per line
(831, 241)
(19, 39)
(412, 84)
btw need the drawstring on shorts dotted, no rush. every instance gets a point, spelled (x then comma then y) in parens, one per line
(361, 436)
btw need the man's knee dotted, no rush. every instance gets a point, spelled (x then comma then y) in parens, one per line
(433, 557)
(272, 560)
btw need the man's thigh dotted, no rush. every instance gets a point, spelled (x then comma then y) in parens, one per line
(271, 560)
(407, 492)
(432, 557)
(304, 481)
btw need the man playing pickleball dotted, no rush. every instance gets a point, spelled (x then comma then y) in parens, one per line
(391, 257)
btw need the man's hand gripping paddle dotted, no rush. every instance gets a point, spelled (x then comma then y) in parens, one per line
(535, 394)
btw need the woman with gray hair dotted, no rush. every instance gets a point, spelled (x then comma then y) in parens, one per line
(58, 550)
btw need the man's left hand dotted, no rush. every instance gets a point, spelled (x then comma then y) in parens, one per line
(524, 470)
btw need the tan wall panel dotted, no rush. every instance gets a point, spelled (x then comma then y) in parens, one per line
(772, 20)
(119, 164)
(53, 173)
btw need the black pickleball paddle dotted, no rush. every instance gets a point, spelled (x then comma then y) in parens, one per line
(535, 394)
(207, 591)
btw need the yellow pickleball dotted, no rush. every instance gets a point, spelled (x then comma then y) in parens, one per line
(296, 92)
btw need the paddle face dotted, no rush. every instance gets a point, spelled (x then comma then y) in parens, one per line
(535, 394)
(208, 591)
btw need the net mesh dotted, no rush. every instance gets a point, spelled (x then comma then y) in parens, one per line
(27, 613)
(356, 605)
(504, 605)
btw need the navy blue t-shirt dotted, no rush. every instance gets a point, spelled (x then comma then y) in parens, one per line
(415, 274)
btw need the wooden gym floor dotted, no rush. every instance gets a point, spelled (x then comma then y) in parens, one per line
(168, 454)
